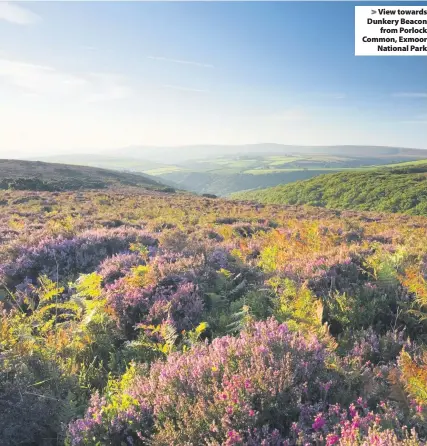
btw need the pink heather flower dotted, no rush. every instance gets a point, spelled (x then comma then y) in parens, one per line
(356, 423)
(326, 386)
(352, 410)
(295, 428)
(319, 422)
(332, 439)
(233, 438)
(251, 413)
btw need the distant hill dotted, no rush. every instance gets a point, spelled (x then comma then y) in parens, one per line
(37, 175)
(400, 189)
(195, 152)
(222, 170)
(103, 161)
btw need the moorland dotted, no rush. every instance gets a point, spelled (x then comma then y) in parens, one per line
(133, 315)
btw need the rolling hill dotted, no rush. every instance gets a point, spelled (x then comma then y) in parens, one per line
(390, 189)
(197, 152)
(37, 175)
(222, 170)
(103, 161)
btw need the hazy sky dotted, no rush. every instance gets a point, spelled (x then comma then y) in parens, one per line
(78, 76)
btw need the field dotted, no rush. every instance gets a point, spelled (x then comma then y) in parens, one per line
(131, 316)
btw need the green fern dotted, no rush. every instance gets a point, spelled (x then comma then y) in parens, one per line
(240, 320)
(89, 285)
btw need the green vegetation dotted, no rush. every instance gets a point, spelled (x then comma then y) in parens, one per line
(131, 316)
(398, 189)
(224, 184)
(135, 317)
(226, 175)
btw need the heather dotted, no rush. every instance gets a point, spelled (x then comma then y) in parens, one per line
(132, 317)
(41, 176)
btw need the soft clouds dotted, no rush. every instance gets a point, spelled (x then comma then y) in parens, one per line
(19, 15)
(182, 62)
(48, 82)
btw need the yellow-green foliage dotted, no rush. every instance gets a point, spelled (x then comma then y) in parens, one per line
(268, 258)
(170, 340)
(415, 282)
(64, 226)
(89, 285)
(16, 223)
(224, 272)
(140, 276)
(386, 266)
(297, 305)
(414, 376)
(141, 249)
(116, 394)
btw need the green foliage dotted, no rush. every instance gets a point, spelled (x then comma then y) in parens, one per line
(297, 305)
(402, 189)
(141, 249)
(385, 266)
(360, 309)
(268, 258)
(158, 341)
(349, 281)
(89, 285)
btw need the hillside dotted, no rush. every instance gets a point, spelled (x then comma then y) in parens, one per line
(122, 163)
(36, 175)
(223, 184)
(134, 317)
(390, 189)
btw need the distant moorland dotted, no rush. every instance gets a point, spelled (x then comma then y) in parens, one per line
(36, 175)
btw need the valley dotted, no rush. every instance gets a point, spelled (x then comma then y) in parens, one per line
(223, 170)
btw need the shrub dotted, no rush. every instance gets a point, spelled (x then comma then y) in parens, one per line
(219, 391)
(59, 258)
(118, 266)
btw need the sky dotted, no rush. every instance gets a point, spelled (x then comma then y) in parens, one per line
(95, 76)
